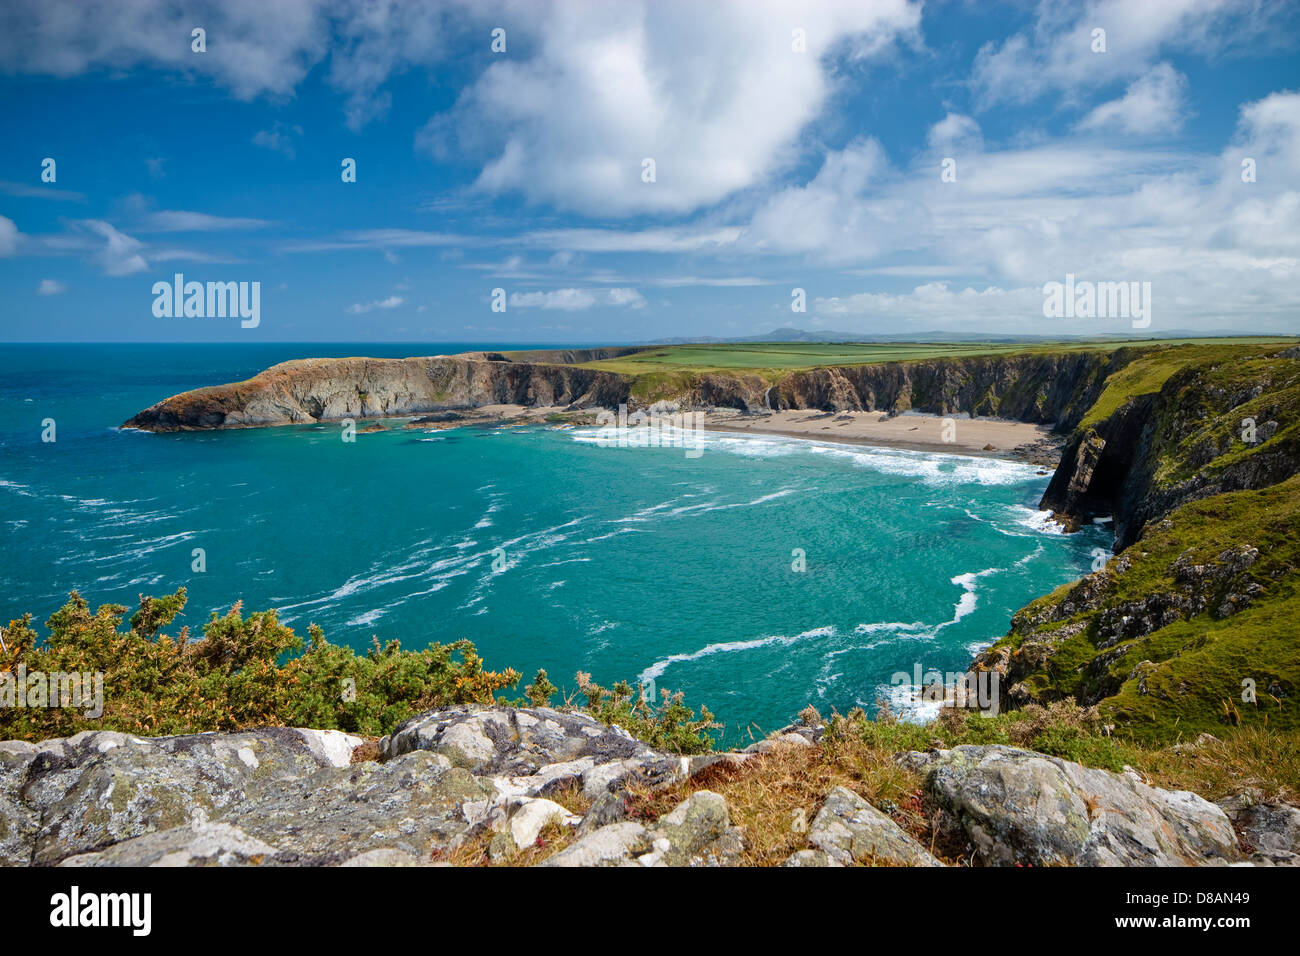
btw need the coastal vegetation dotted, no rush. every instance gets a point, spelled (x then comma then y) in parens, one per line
(252, 671)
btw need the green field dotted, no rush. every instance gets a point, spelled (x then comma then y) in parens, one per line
(772, 358)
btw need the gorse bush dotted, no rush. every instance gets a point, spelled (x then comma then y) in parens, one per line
(255, 672)
(669, 725)
(244, 672)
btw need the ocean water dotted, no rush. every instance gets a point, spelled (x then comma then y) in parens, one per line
(633, 563)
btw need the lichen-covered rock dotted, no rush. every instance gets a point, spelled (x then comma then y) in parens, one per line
(849, 830)
(612, 845)
(531, 750)
(510, 740)
(216, 844)
(448, 776)
(1019, 807)
(19, 822)
(698, 832)
(416, 804)
(98, 788)
(697, 822)
(1271, 827)
(809, 858)
(532, 815)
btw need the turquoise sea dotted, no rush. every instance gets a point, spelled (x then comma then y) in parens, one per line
(624, 562)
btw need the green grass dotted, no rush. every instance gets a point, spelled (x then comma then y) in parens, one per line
(1147, 375)
(771, 359)
(1184, 678)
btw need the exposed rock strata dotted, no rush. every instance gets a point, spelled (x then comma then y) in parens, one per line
(311, 390)
(1044, 389)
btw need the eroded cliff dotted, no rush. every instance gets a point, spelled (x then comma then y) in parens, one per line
(309, 390)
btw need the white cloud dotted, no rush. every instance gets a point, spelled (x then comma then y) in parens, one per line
(51, 287)
(8, 236)
(182, 220)
(279, 139)
(121, 254)
(1219, 252)
(830, 216)
(713, 93)
(1056, 53)
(955, 132)
(1155, 103)
(574, 300)
(361, 308)
(43, 191)
(673, 239)
(253, 47)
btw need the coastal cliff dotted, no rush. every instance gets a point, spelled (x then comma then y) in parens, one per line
(1192, 451)
(1054, 389)
(311, 390)
(1192, 625)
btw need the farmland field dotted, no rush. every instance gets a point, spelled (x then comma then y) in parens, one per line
(776, 357)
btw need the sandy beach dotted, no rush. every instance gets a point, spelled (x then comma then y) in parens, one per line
(989, 437)
(992, 437)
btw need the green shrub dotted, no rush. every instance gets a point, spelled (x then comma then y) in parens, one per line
(244, 672)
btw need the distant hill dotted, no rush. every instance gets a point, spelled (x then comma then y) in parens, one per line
(789, 334)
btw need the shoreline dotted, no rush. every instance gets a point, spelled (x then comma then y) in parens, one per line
(975, 437)
(978, 437)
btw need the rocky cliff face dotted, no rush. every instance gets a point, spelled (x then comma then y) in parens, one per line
(310, 390)
(1190, 627)
(1226, 422)
(1045, 389)
(1050, 389)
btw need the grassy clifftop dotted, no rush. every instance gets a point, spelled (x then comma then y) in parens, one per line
(1165, 635)
(1195, 624)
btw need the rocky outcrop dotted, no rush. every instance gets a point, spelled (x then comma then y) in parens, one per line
(1270, 828)
(479, 777)
(848, 831)
(312, 390)
(1022, 808)
(529, 752)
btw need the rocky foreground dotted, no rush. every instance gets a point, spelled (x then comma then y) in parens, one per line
(483, 776)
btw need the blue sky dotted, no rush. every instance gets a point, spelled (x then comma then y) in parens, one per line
(775, 168)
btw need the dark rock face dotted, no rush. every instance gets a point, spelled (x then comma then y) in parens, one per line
(1044, 389)
(1095, 466)
(1160, 451)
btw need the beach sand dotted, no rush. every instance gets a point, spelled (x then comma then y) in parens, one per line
(992, 437)
(989, 437)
